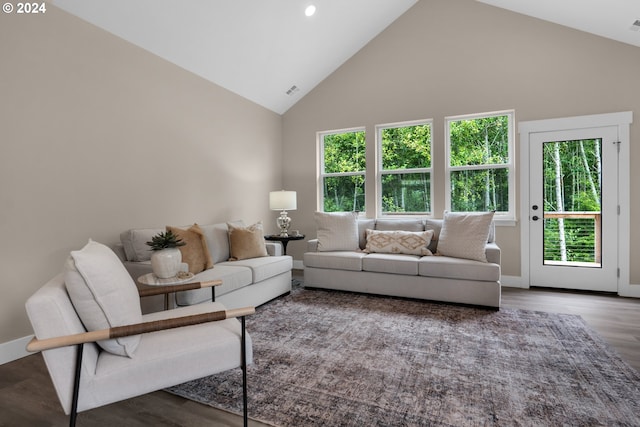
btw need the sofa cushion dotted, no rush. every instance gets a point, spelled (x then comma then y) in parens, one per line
(364, 224)
(399, 242)
(457, 268)
(391, 263)
(338, 260)
(233, 278)
(103, 294)
(265, 267)
(134, 242)
(337, 231)
(464, 235)
(195, 251)
(389, 224)
(246, 242)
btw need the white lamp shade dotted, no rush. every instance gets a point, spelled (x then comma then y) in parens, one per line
(282, 200)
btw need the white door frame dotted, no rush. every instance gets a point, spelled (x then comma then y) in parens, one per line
(623, 121)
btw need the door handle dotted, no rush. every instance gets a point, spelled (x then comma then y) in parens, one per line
(535, 218)
(534, 207)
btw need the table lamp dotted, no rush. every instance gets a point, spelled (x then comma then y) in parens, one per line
(283, 201)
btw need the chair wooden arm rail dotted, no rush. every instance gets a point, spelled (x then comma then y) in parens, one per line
(167, 289)
(136, 329)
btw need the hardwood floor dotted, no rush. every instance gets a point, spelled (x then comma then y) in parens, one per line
(27, 397)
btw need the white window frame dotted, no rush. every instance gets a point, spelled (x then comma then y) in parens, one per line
(320, 173)
(380, 171)
(504, 218)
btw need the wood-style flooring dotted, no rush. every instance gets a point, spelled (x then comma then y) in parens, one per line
(27, 397)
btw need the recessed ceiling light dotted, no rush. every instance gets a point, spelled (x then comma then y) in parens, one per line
(310, 10)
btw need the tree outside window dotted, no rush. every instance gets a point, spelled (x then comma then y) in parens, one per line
(405, 172)
(343, 170)
(480, 168)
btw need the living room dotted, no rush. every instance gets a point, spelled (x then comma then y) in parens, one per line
(100, 136)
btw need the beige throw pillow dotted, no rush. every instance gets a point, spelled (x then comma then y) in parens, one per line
(195, 252)
(464, 235)
(337, 231)
(399, 242)
(246, 242)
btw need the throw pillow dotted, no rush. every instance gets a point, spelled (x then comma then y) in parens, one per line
(195, 252)
(246, 242)
(103, 294)
(399, 242)
(464, 235)
(337, 231)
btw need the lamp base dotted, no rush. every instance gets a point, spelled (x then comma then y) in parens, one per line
(283, 222)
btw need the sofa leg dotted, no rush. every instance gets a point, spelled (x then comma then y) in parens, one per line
(76, 387)
(243, 355)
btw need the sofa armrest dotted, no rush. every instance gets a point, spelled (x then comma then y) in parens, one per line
(274, 248)
(312, 245)
(493, 253)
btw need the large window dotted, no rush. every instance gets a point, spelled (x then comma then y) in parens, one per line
(342, 170)
(479, 164)
(404, 175)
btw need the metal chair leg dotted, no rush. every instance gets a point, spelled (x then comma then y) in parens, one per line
(243, 355)
(76, 387)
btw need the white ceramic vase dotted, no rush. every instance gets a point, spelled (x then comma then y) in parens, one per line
(165, 263)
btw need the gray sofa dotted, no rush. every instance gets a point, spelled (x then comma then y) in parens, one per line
(439, 278)
(248, 282)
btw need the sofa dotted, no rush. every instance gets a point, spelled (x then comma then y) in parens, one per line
(245, 282)
(423, 273)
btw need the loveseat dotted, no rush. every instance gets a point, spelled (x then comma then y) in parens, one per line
(245, 282)
(420, 272)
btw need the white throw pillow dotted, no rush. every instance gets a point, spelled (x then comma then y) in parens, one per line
(399, 242)
(337, 231)
(103, 294)
(464, 235)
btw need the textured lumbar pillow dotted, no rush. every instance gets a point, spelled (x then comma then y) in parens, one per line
(195, 252)
(337, 231)
(246, 242)
(464, 235)
(399, 242)
(103, 294)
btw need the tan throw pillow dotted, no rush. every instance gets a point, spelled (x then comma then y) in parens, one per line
(399, 242)
(464, 235)
(246, 242)
(337, 231)
(195, 252)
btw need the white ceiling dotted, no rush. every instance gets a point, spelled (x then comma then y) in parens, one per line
(260, 49)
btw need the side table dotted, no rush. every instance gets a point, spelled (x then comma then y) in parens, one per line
(283, 239)
(149, 284)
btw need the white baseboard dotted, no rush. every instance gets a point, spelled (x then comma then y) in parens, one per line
(14, 350)
(513, 282)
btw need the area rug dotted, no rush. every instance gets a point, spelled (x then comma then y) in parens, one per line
(325, 358)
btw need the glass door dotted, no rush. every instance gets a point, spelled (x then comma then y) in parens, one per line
(573, 212)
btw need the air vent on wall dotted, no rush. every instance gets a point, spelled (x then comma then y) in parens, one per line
(292, 90)
(635, 26)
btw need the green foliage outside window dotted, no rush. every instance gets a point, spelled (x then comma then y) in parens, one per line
(406, 149)
(344, 171)
(477, 149)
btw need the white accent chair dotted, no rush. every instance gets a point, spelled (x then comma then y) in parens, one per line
(86, 372)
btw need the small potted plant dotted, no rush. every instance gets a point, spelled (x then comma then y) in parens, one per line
(166, 257)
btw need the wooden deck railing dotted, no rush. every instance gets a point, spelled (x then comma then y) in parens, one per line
(596, 216)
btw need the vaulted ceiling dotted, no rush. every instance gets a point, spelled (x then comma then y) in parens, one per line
(271, 53)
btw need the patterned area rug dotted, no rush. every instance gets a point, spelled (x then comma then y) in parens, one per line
(324, 358)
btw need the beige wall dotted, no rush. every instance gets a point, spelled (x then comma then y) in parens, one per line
(459, 57)
(98, 136)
